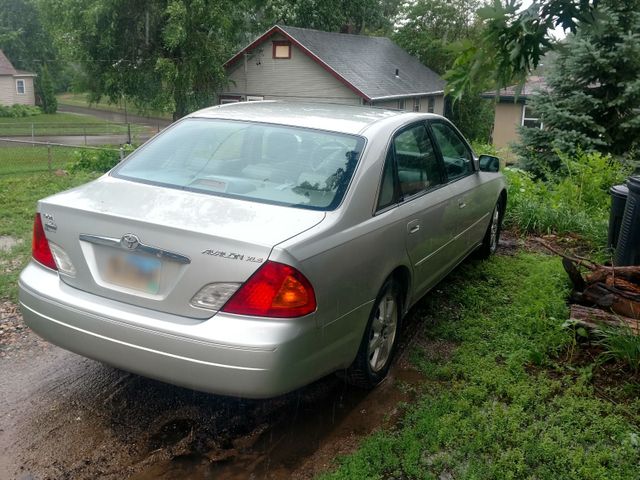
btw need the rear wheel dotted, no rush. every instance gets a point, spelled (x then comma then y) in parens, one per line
(492, 236)
(380, 338)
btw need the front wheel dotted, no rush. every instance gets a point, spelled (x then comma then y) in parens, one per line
(492, 236)
(379, 341)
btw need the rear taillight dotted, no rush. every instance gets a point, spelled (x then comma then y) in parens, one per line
(274, 290)
(40, 247)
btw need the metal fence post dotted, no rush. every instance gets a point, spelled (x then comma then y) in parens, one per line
(84, 129)
(33, 134)
(49, 156)
(121, 152)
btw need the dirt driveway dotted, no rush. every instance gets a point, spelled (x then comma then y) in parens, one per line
(67, 417)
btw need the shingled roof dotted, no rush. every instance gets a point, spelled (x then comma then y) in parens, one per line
(374, 67)
(518, 92)
(6, 68)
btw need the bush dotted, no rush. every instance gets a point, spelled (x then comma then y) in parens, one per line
(575, 203)
(17, 111)
(86, 160)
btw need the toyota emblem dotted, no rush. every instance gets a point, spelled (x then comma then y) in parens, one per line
(130, 241)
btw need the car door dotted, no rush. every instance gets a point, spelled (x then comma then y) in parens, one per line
(470, 209)
(413, 179)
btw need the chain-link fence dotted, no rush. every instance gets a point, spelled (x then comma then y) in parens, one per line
(25, 156)
(79, 133)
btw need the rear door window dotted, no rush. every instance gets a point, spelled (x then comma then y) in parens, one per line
(458, 159)
(417, 164)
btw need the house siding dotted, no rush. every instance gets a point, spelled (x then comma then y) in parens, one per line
(8, 92)
(507, 120)
(408, 104)
(297, 78)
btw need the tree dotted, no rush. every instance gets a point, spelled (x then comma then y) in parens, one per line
(45, 91)
(164, 54)
(593, 98)
(434, 31)
(514, 39)
(353, 16)
(29, 46)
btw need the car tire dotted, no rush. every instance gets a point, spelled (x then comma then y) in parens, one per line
(492, 236)
(380, 339)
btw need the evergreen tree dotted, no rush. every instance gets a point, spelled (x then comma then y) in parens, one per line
(593, 95)
(45, 91)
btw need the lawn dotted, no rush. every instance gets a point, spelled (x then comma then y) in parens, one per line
(62, 124)
(80, 100)
(18, 160)
(18, 197)
(511, 401)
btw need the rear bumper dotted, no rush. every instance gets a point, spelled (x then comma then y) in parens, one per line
(227, 354)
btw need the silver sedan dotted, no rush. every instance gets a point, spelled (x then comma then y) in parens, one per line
(250, 249)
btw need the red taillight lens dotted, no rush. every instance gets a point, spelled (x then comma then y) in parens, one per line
(274, 290)
(40, 246)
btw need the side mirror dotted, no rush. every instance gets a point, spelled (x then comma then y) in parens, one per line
(489, 163)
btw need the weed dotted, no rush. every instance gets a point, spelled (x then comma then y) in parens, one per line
(621, 344)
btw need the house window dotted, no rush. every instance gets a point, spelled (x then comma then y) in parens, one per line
(530, 118)
(416, 104)
(281, 49)
(401, 104)
(20, 87)
(224, 99)
(431, 105)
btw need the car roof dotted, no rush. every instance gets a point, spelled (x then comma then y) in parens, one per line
(349, 119)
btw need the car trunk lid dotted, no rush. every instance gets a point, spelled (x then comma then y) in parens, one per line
(156, 247)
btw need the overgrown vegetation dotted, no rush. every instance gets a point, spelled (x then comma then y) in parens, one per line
(99, 161)
(575, 201)
(18, 111)
(504, 404)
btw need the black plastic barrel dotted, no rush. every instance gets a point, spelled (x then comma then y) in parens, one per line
(628, 249)
(619, 195)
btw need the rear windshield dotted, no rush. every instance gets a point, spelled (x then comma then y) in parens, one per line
(261, 162)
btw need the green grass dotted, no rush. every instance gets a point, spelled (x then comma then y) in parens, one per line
(62, 124)
(80, 100)
(32, 159)
(18, 197)
(503, 407)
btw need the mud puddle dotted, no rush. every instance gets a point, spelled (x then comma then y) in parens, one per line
(67, 417)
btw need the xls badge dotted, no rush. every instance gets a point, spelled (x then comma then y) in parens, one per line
(232, 256)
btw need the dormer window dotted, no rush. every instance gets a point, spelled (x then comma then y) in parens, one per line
(281, 49)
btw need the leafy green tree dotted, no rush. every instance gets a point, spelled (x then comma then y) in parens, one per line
(354, 16)
(161, 54)
(514, 40)
(593, 98)
(435, 31)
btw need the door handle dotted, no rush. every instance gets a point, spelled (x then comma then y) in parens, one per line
(413, 226)
(461, 203)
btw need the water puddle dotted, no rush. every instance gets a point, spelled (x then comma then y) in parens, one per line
(297, 440)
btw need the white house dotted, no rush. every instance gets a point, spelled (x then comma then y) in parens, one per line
(16, 86)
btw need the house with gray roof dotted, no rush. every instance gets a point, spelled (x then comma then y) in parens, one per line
(16, 86)
(301, 64)
(512, 110)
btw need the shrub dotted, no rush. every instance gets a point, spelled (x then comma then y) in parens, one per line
(17, 111)
(86, 160)
(575, 203)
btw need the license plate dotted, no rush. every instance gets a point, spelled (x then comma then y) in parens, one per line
(134, 271)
